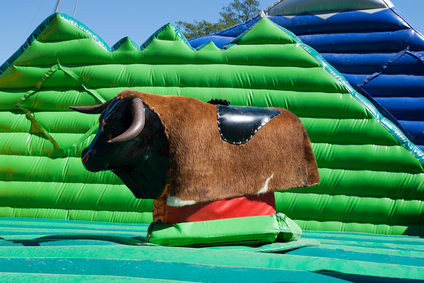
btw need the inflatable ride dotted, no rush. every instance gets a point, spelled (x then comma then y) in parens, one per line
(364, 221)
(370, 42)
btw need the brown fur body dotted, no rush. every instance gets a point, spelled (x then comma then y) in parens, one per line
(206, 168)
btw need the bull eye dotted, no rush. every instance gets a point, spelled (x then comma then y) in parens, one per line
(111, 131)
(112, 128)
(108, 129)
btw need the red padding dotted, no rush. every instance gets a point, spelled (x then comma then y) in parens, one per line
(228, 208)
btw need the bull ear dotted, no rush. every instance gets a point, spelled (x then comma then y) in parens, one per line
(93, 109)
(137, 125)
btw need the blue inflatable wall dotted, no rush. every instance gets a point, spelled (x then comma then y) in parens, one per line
(377, 49)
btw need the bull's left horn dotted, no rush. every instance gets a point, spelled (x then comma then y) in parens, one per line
(137, 125)
(93, 109)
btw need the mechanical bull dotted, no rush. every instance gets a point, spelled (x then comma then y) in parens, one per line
(205, 152)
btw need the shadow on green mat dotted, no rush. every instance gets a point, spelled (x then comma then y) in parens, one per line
(364, 278)
(415, 230)
(135, 241)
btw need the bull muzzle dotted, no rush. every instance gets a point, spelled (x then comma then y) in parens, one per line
(85, 158)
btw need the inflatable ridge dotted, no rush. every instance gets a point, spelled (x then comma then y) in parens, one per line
(125, 41)
(45, 24)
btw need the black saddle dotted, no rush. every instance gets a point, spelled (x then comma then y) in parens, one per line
(238, 124)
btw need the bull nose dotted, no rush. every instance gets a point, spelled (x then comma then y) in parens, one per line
(85, 158)
(93, 162)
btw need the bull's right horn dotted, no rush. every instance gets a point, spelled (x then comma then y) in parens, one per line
(93, 109)
(137, 125)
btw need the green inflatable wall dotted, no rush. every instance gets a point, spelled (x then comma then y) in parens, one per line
(372, 176)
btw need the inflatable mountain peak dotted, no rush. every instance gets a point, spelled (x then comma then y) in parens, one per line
(256, 35)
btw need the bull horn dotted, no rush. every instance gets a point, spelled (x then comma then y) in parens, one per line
(93, 109)
(137, 125)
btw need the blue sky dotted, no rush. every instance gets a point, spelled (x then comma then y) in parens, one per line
(138, 19)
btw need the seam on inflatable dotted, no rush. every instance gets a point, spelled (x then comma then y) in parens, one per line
(81, 81)
(74, 146)
(50, 72)
(377, 105)
(38, 85)
(91, 91)
(383, 68)
(28, 114)
(416, 54)
(385, 113)
(41, 129)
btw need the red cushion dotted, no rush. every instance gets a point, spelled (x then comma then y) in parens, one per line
(228, 208)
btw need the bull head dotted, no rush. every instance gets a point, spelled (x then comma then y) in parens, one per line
(130, 142)
(138, 118)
